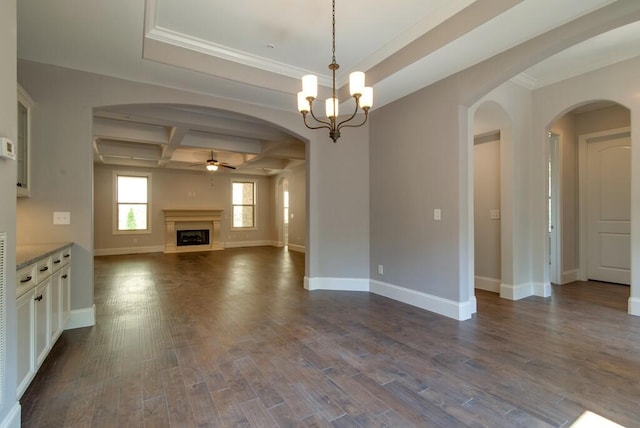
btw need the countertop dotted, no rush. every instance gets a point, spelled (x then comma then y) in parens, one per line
(31, 253)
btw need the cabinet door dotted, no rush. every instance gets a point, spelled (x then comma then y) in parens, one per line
(55, 296)
(66, 294)
(23, 168)
(26, 352)
(42, 317)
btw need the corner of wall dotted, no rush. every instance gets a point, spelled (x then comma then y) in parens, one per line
(634, 306)
(516, 292)
(82, 318)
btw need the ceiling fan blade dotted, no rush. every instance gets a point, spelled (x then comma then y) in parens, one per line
(226, 166)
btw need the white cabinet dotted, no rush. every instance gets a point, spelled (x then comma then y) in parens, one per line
(43, 309)
(42, 321)
(65, 289)
(23, 145)
(26, 351)
(59, 293)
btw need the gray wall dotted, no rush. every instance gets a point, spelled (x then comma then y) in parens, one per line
(602, 119)
(8, 128)
(414, 154)
(486, 197)
(179, 189)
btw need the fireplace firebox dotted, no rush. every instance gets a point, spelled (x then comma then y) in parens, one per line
(192, 237)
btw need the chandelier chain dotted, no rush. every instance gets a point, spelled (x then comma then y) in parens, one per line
(333, 31)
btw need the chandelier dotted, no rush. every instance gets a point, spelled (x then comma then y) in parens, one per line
(363, 95)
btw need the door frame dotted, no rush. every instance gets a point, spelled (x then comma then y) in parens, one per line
(555, 244)
(583, 234)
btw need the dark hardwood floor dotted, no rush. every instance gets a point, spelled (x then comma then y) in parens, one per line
(231, 338)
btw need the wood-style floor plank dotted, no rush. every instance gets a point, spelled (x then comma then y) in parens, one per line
(231, 339)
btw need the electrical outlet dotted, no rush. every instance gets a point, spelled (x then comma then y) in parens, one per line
(494, 214)
(437, 214)
(61, 217)
(380, 270)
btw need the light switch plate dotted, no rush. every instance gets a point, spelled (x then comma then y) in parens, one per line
(437, 214)
(494, 214)
(61, 217)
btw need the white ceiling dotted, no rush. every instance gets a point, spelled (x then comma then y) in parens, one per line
(256, 51)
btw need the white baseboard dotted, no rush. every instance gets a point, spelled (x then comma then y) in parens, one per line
(12, 420)
(336, 284)
(569, 276)
(82, 318)
(487, 284)
(542, 289)
(297, 248)
(634, 306)
(129, 250)
(457, 310)
(515, 292)
(242, 244)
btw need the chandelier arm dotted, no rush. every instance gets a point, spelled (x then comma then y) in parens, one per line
(341, 124)
(324, 125)
(366, 116)
(313, 115)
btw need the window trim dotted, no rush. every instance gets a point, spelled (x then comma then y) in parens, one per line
(114, 228)
(255, 205)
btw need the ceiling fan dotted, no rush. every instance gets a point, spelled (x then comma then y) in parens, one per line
(212, 164)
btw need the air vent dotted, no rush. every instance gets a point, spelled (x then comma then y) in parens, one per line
(3, 325)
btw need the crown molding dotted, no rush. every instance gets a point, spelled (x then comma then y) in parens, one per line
(181, 40)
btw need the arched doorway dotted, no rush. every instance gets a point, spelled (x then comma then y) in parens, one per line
(593, 182)
(493, 199)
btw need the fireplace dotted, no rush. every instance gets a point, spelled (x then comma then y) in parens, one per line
(189, 230)
(192, 237)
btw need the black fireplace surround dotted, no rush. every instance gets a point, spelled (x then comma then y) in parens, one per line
(192, 237)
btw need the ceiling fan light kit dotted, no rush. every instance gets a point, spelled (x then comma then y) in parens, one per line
(212, 164)
(363, 95)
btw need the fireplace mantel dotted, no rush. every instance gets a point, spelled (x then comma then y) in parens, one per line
(185, 219)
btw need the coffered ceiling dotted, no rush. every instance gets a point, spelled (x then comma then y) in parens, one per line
(256, 52)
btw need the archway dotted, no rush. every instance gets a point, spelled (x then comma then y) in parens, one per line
(603, 228)
(492, 200)
(176, 142)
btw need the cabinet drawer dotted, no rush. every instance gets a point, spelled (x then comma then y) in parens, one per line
(26, 279)
(66, 256)
(58, 260)
(44, 269)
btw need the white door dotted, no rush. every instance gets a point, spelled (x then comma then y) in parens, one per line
(609, 210)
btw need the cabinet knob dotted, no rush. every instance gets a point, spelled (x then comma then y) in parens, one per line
(55, 262)
(39, 298)
(67, 255)
(27, 279)
(65, 276)
(44, 268)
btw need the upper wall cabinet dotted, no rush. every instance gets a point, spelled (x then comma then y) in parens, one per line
(24, 137)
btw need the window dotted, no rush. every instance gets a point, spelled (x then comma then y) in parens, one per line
(286, 207)
(132, 202)
(243, 196)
